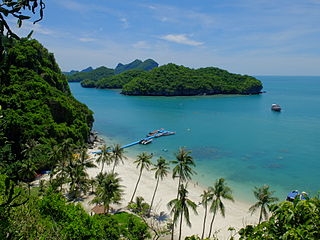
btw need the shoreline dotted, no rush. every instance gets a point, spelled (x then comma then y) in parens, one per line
(237, 213)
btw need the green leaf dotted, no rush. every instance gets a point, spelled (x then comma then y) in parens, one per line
(23, 17)
(30, 34)
(19, 22)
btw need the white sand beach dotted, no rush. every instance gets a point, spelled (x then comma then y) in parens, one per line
(237, 214)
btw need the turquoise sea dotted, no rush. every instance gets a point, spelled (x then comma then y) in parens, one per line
(235, 137)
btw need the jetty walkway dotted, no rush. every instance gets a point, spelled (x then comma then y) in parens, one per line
(148, 139)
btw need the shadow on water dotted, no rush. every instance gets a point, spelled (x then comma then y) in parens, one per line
(207, 152)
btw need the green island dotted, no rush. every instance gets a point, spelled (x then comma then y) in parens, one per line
(174, 80)
(117, 81)
(92, 75)
(49, 174)
(89, 76)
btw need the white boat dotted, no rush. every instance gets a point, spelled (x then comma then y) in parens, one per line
(275, 107)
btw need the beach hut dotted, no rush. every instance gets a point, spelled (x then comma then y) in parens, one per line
(98, 209)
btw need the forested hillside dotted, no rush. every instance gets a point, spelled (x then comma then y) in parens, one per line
(37, 108)
(117, 81)
(90, 75)
(147, 65)
(93, 75)
(174, 80)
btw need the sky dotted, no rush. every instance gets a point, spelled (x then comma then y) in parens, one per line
(255, 37)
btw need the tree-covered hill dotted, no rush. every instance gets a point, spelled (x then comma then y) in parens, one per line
(90, 75)
(88, 69)
(93, 75)
(37, 106)
(147, 65)
(174, 80)
(117, 81)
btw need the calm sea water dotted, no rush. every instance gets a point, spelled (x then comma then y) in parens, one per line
(235, 137)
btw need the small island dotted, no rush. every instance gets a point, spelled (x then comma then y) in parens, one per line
(174, 80)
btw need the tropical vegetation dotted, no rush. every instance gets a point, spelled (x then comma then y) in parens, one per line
(180, 208)
(146, 65)
(117, 81)
(37, 105)
(161, 169)
(93, 75)
(297, 220)
(174, 80)
(108, 191)
(218, 192)
(43, 127)
(265, 199)
(205, 199)
(107, 77)
(143, 162)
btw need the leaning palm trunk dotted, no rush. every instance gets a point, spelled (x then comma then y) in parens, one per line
(114, 166)
(172, 232)
(102, 167)
(211, 224)
(180, 228)
(179, 183)
(154, 194)
(204, 221)
(260, 217)
(135, 189)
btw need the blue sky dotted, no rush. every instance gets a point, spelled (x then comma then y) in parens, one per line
(266, 37)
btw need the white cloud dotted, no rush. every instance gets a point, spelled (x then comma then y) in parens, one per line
(181, 39)
(87, 39)
(73, 5)
(125, 22)
(151, 7)
(141, 45)
(167, 13)
(28, 26)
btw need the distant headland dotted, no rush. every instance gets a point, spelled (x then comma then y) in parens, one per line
(147, 79)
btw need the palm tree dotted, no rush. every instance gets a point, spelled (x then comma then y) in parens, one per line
(180, 208)
(161, 170)
(104, 156)
(205, 198)
(77, 171)
(144, 162)
(54, 156)
(67, 148)
(219, 191)
(183, 169)
(100, 177)
(264, 199)
(27, 170)
(109, 191)
(117, 155)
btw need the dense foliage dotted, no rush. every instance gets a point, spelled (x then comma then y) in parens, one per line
(147, 65)
(88, 69)
(87, 83)
(93, 75)
(88, 76)
(297, 220)
(171, 80)
(37, 106)
(51, 217)
(117, 81)
(13, 9)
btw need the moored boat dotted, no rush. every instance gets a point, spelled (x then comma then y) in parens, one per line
(295, 194)
(275, 107)
(146, 141)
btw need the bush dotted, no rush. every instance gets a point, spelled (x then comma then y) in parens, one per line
(297, 220)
